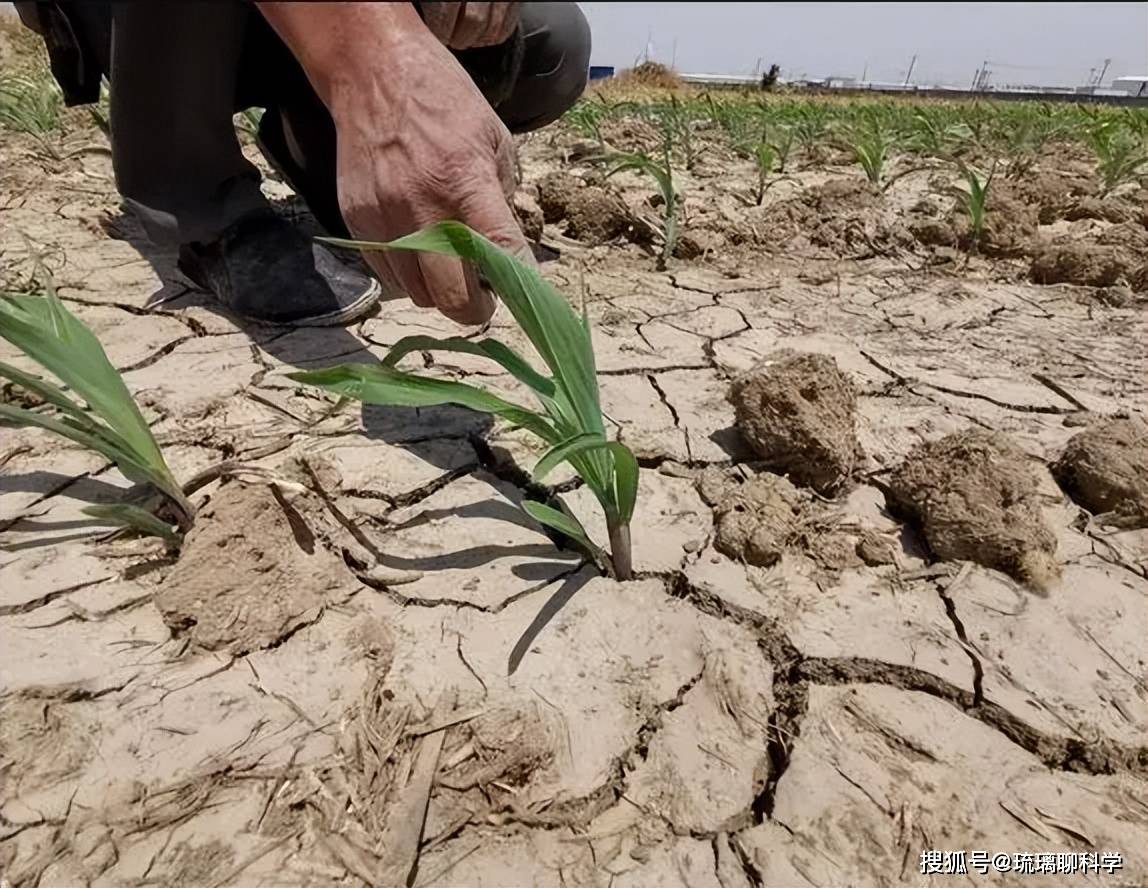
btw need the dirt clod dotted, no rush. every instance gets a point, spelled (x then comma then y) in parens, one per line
(754, 518)
(975, 497)
(875, 550)
(797, 412)
(252, 571)
(595, 215)
(1096, 208)
(934, 233)
(1105, 469)
(555, 192)
(1085, 264)
(529, 215)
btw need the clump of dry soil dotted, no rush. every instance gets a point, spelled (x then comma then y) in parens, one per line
(1105, 469)
(839, 215)
(555, 192)
(797, 411)
(529, 215)
(251, 571)
(754, 518)
(1088, 265)
(975, 498)
(595, 215)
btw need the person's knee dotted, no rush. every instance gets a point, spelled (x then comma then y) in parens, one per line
(556, 68)
(573, 35)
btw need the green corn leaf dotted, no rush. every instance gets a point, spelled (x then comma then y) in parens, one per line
(508, 358)
(379, 384)
(544, 316)
(132, 470)
(625, 480)
(643, 164)
(42, 328)
(126, 515)
(562, 452)
(46, 391)
(560, 521)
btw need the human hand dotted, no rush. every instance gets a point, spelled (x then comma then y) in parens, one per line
(469, 25)
(417, 143)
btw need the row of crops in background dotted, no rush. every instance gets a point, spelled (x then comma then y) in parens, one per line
(775, 131)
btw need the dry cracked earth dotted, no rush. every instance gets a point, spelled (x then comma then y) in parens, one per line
(811, 682)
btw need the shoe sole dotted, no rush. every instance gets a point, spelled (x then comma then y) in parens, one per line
(340, 317)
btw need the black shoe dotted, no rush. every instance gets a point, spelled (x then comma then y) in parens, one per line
(264, 270)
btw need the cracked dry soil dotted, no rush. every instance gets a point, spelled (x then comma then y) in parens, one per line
(389, 635)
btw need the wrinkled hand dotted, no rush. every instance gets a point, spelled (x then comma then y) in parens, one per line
(418, 144)
(470, 25)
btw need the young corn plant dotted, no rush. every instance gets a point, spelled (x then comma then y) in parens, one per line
(764, 155)
(570, 419)
(1120, 155)
(91, 406)
(32, 105)
(870, 143)
(974, 201)
(781, 139)
(663, 174)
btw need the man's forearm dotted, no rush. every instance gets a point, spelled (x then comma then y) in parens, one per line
(337, 42)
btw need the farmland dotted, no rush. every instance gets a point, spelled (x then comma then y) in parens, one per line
(882, 367)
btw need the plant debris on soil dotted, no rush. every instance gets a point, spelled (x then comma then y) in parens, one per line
(864, 441)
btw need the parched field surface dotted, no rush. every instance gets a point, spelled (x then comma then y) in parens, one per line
(384, 632)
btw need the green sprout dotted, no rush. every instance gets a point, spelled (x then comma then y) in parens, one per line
(974, 200)
(570, 422)
(1119, 155)
(30, 105)
(781, 140)
(871, 143)
(764, 156)
(91, 407)
(662, 173)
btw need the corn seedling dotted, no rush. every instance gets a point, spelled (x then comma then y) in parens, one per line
(570, 421)
(30, 105)
(870, 143)
(662, 173)
(677, 131)
(781, 139)
(90, 406)
(1119, 155)
(586, 118)
(931, 133)
(974, 200)
(764, 156)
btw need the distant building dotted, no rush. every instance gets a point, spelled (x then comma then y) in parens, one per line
(1133, 86)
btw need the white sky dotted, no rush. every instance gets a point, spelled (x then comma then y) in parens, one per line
(1036, 43)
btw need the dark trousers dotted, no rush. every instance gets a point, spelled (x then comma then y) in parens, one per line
(179, 72)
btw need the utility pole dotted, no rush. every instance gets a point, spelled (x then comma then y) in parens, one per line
(912, 64)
